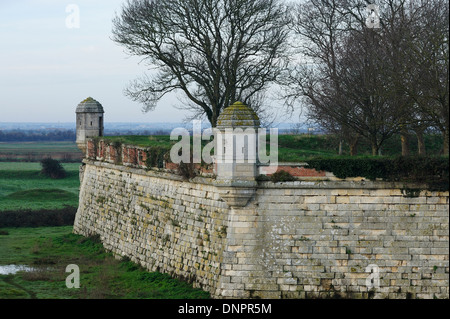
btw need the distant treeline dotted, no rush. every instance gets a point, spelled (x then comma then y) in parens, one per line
(37, 135)
(62, 135)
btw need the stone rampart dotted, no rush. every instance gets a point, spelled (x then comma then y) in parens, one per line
(312, 238)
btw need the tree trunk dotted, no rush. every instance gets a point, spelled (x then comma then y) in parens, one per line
(420, 142)
(354, 146)
(341, 142)
(404, 139)
(374, 148)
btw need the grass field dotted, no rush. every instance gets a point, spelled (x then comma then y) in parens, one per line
(23, 187)
(35, 151)
(48, 250)
(292, 148)
(298, 148)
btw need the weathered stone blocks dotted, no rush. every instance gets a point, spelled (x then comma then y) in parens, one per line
(303, 239)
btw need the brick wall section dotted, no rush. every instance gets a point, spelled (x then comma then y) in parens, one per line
(134, 156)
(295, 170)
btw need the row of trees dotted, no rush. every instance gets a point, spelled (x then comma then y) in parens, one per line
(36, 135)
(356, 77)
(378, 80)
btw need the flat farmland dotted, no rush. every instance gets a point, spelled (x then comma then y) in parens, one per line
(22, 186)
(36, 151)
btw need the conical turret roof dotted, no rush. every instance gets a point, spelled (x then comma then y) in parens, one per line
(89, 105)
(238, 115)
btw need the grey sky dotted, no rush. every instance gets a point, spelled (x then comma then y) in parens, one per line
(46, 68)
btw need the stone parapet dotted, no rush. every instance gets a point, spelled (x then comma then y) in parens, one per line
(316, 237)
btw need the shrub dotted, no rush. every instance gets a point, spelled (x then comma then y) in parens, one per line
(156, 155)
(281, 176)
(38, 218)
(186, 170)
(52, 168)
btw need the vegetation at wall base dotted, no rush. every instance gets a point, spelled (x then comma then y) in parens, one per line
(48, 251)
(433, 171)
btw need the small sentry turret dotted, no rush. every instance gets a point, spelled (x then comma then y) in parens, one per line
(89, 121)
(236, 152)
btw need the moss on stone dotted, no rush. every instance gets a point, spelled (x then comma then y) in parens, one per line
(238, 114)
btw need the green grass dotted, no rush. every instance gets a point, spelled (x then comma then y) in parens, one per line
(48, 250)
(23, 187)
(142, 140)
(289, 150)
(299, 148)
(35, 151)
(40, 147)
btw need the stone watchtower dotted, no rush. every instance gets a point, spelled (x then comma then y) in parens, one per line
(89, 121)
(236, 152)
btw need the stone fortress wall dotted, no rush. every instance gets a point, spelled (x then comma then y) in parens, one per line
(311, 238)
(316, 237)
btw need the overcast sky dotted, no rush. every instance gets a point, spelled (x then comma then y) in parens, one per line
(48, 65)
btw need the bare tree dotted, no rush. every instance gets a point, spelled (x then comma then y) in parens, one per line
(429, 76)
(346, 81)
(375, 82)
(315, 80)
(417, 48)
(215, 52)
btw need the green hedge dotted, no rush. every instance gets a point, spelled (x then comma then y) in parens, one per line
(38, 218)
(432, 171)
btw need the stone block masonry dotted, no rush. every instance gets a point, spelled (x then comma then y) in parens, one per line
(305, 239)
(324, 240)
(157, 220)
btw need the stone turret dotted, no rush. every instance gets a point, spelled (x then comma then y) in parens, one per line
(236, 153)
(89, 121)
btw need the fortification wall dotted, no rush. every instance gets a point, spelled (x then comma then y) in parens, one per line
(156, 219)
(317, 239)
(303, 239)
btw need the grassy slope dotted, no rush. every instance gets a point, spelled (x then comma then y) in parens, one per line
(297, 148)
(50, 249)
(35, 151)
(38, 147)
(23, 187)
